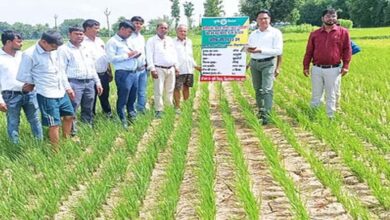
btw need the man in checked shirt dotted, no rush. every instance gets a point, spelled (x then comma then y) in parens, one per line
(77, 62)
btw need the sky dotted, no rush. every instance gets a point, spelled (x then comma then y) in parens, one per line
(43, 11)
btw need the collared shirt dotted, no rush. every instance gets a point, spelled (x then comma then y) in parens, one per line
(117, 50)
(98, 53)
(42, 68)
(270, 41)
(77, 62)
(160, 52)
(328, 48)
(9, 66)
(138, 41)
(185, 57)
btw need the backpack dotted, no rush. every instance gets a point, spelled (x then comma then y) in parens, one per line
(355, 48)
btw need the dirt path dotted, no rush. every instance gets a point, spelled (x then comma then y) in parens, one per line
(227, 204)
(330, 159)
(188, 200)
(150, 202)
(68, 204)
(113, 199)
(274, 203)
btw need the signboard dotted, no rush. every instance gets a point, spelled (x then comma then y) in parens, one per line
(223, 43)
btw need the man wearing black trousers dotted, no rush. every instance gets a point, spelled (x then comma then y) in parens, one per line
(95, 44)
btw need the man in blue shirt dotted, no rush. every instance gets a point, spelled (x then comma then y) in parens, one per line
(123, 55)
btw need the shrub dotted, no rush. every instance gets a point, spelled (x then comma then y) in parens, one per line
(302, 28)
(346, 23)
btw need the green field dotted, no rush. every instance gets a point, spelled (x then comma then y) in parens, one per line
(215, 160)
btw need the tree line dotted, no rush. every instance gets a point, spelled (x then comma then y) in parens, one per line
(363, 13)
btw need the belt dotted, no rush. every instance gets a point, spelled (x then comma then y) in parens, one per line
(81, 80)
(163, 67)
(127, 71)
(11, 92)
(263, 60)
(327, 66)
(102, 73)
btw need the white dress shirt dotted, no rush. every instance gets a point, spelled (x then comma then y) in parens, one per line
(9, 66)
(117, 50)
(270, 41)
(138, 41)
(185, 57)
(42, 68)
(98, 53)
(160, 52)
(77, 62)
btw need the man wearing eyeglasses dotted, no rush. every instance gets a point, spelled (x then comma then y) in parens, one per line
(329, 49)
(162, 62)
(265, 46)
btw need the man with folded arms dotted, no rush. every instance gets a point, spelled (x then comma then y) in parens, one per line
(123, 55)
(79, 66)
(162, 63)
(265, 45)
(13, 97)
(40, 68)
(326, 48)
(96, 45)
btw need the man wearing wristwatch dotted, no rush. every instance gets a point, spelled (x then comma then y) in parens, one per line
(329, 49)
(13, 97)
(265, 47)
(162, 62)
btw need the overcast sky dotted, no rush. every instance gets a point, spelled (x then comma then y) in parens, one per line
(43, 11)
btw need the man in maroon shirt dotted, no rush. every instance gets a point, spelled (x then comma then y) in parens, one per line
(329, 49)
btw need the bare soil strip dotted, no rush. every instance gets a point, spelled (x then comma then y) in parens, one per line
(330, 159)
(227, 204)
(69, 203)
(274, 203)
(113, 199)
(188, 200)
(150, 201)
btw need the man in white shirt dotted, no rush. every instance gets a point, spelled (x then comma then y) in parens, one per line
(96, 45)
(123, 55)
(265, 45)
(40, 68)
(162, 62)
(13, 98)
(79, 66)
(138, 41)
(186, 65)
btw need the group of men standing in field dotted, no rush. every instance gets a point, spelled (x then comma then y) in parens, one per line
(57, 79)
(61, 81)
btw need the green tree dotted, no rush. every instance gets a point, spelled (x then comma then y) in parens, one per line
(152, 24)
(369, 13)
(115, 26)
(213, 8)
(311, 11)
(25, 29)
(38, 29)
(4, 26)
(188, 12)
(175, 11)
(64, 26)
(281, 10)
